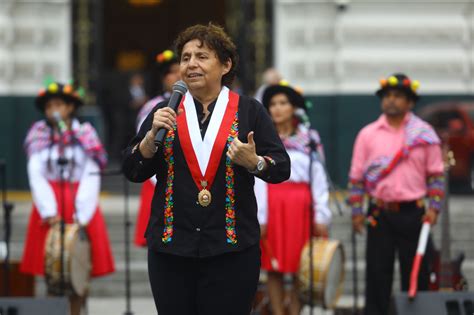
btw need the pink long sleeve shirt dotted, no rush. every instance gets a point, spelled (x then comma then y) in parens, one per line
(408, 180)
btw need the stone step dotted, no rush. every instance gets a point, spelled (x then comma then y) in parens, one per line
(113, 285)
(340, 229)
(118, 249)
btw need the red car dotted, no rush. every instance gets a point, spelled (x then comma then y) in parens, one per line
(454, 122)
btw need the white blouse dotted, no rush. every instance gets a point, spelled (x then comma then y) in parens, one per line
(84, 170)
(143, 114)
(299, 174)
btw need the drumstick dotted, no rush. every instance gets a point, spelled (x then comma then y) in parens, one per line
(420, 252)
(268, 249)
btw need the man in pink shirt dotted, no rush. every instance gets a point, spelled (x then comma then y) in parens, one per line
(396, 162)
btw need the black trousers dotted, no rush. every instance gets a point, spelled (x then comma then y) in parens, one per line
(220, 285)
(395, 232)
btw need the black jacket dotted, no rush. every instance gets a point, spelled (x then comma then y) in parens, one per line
(200, 231)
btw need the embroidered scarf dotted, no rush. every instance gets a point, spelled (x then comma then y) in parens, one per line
(300, 140)
(417, 133)
(39, 138)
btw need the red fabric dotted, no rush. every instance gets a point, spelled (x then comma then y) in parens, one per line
(414, 275)
(33, 255)
(148, 189)
(288, 225)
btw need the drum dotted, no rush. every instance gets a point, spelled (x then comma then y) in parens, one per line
(77, 260)
(328, 273)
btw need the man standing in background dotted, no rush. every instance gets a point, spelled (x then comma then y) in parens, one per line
(397, 162)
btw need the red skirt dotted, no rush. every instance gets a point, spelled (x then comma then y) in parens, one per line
(287, 226)
(143, 216)
(33, 255)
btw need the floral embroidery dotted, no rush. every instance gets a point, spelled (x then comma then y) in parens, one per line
(168, 207)
(270, 160)
(230, 192)
(356, 195)
(436, 191)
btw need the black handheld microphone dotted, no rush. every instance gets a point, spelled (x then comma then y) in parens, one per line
(179, 89)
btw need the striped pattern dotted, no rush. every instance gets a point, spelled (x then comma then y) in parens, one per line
(300, 140)
(436, 191)
(420, 252)
(39, 138)
(356, 195)
(417, 133)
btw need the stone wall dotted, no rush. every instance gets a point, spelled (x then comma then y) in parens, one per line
(35, 42)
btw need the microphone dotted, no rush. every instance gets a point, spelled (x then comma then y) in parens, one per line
(59, 122)
(313, 146)
(179, 89)
(303, 117)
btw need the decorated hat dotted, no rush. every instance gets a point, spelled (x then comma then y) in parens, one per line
(400, 82)
(294, 94)
(165, 60)
(67, 92)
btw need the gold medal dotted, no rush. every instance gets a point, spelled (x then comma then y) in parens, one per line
(204, 196)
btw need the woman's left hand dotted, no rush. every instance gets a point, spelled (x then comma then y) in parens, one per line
(244, 154)
(320, 230)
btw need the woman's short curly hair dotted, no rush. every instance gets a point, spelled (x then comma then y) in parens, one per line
(215, 38)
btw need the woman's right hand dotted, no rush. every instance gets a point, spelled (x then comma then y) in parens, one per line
(163, 118)
(52, 220)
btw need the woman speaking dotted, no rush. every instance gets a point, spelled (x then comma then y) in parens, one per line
(203, 233)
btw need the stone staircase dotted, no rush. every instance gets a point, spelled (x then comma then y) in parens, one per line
(462, 222)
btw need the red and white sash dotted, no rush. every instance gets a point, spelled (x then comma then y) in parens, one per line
(203, 155)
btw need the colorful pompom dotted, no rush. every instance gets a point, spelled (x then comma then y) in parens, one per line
(53, 88)
(168, 55)
(415, 85)
(284, 83)
(392, 81)
(67, 89)
(81, 92)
